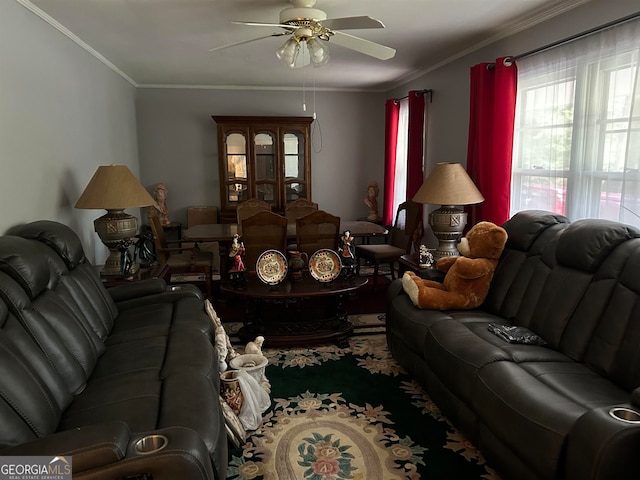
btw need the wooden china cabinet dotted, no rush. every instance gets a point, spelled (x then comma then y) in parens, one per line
(263, 157)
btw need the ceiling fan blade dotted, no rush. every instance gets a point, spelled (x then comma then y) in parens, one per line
(361, 45)
(247, 41)
(351, 23)
(265, 24)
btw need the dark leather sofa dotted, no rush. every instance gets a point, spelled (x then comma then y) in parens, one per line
(89, 372)
(540, 412)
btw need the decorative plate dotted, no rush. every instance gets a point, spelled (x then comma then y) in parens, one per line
(325, 265)
(271, 267)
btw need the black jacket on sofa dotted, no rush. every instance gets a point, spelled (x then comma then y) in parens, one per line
(87, 372)
(540, 412)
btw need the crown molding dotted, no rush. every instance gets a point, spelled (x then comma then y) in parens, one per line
(69, 34)
(264, 88)
(515, 27)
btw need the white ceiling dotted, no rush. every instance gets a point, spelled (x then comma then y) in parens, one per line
(166, 42)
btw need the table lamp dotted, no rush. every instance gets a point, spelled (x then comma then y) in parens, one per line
(114, 188)
(448, 185)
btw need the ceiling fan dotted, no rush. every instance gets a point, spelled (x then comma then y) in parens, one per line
(310, 29)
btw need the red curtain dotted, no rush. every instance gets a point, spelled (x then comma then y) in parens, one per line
(415, 149)
(491, 117)
(392, 111)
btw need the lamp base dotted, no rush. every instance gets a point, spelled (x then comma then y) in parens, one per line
(447, 223)
(112, 266)
(117, 231)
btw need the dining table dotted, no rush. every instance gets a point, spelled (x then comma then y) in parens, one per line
(223, 233)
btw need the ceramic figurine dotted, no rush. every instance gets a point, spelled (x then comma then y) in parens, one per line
(347, 251)
(236, 252)
(255, 347)
(426, 257)
(237, 270)
(222, 351)
(372, 201)
(160, 208)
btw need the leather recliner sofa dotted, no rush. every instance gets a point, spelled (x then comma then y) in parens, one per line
(124, 380)
(569, 409)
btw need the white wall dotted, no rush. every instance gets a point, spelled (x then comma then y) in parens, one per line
(62, 113)
(179, 147)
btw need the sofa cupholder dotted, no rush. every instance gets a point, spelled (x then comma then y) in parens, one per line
(151, 444)
(625, 415)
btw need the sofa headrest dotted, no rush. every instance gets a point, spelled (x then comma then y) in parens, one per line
(526, 226)
(585, 244)
(4, 311)
(58, 236)
(630, 277)
(30, 263)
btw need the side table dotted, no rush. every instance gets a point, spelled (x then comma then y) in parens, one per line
(410, 262)
(153, 271)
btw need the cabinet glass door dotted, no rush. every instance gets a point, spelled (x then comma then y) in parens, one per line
(267, 158)
(264, 145)
(237, 175)
(294, 166)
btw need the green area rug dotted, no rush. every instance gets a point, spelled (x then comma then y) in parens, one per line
(351, 413)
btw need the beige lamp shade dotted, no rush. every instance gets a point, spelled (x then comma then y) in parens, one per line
(448, 184)
(113, 187)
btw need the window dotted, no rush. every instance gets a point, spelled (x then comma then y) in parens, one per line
(577, 128)
(400, 177)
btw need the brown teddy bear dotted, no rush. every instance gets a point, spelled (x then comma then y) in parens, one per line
(467, 278)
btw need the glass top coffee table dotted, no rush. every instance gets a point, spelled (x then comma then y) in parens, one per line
(295, 312)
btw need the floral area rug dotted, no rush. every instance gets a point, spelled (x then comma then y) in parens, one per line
(351, 413)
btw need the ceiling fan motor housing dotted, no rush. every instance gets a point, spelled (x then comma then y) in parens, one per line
(302, 10)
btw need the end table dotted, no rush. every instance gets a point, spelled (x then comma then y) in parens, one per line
(410, 262)
(153, 271)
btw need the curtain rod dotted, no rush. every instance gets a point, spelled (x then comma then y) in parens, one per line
(572, 38)
(419, 92)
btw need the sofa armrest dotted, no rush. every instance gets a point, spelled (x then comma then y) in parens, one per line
(185, 457)
(635, 398)
(394, 289)
(110, 452)
(140, 288)
(91, 447)
(169, 295)
(601, 446)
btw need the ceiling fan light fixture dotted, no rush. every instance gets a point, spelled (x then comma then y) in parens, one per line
(289, 51)
(318, 51)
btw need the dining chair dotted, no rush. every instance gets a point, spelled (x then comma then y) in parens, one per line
(400, 239)
(260, 232)
(251, 207)
(299, 208)
(296, 209)
(317, 230)
(182, 257)
(201, 215)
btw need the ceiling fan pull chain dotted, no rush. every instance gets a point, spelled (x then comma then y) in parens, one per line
(316, 130)
(304, 93)
(314, 94)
